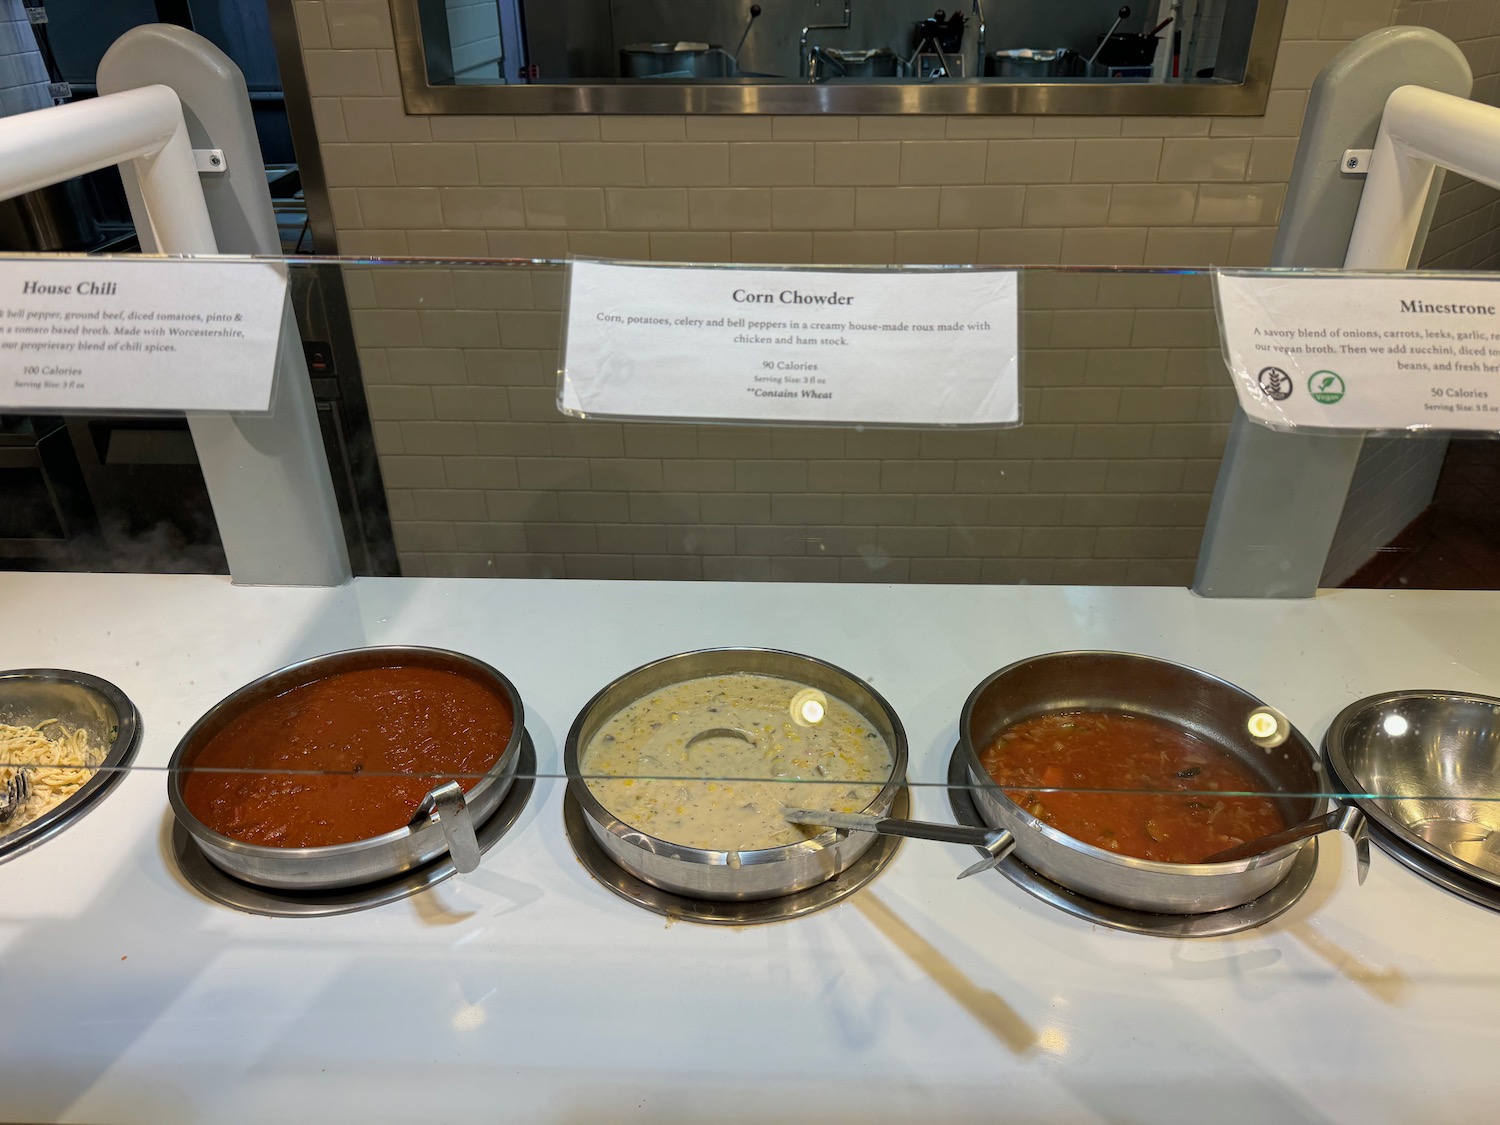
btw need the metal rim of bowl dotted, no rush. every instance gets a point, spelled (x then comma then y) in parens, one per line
(1032, 54)
(606, 819)
(1215, 923)
(213, 882)
(109, 773)
(680, 47)
(291, 672)
(980, 776)
(728, 912)
(1353, 786)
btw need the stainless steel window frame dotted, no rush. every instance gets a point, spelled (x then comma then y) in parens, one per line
(789, 96)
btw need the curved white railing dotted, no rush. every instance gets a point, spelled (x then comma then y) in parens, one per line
(1420, 131)
(143, 128)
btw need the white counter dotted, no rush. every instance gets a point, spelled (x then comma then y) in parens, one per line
(526, 991)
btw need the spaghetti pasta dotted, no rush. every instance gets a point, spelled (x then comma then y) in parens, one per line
(58, 761)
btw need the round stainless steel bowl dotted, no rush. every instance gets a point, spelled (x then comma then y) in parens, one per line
(362, 861)
(1431, 759)
(745, 875)
(29, 696)
(1192, 700)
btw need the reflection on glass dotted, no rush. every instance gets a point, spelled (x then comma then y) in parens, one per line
(809, 706)
(833, 41)
(1268, 728)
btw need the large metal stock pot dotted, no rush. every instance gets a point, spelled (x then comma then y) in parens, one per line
(743, 875)
(1203, 704)
(363, 861)
(675, 60)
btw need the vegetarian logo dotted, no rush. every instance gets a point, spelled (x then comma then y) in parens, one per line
(1275, 383)
(1325, 386)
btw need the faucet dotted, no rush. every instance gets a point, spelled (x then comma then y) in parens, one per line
(979, 20)
(802, 59)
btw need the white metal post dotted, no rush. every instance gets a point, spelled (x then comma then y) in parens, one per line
(267, 474)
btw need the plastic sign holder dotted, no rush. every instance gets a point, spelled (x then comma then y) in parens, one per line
(1374, 353)
(835, 346)
(139, 333)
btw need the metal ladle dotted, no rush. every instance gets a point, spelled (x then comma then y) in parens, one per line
(754, 15)
(447, 807)
(998, 843)
(1124, 14)
(1345, 818)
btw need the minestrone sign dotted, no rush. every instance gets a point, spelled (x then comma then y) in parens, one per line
(1360, 352)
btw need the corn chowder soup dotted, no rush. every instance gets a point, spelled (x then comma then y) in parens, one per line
(710, 762)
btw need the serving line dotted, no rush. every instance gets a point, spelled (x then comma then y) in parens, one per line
(1340, 791)
(133, 998)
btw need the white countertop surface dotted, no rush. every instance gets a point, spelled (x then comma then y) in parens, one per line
(526, 991)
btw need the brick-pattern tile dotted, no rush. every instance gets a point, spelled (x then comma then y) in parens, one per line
(1126, 401)
(486, 478)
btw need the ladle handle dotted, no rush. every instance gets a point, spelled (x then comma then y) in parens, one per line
(749, 23)
(891, 826)
(1123, 15)
(933, 830)
(446, 805)
(996, 844)
(1344, 818)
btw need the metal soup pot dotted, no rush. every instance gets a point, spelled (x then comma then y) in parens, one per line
(830, 62)
(363, 861)
(744, 875)
(1033, 63)
(675, 60)
(1204, 705)
(1127, 49)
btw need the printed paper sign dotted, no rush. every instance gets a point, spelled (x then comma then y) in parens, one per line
(1395, 352)
(904, 347)
(139, 334)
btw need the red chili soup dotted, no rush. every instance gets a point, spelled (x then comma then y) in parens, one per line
(1111, 751)
(363, 726)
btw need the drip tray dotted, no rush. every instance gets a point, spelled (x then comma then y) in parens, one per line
(224, 888)
(1444, 875)
(716, 912)
(1257, 912)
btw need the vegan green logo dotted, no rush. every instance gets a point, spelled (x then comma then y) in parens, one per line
(1325, 386)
